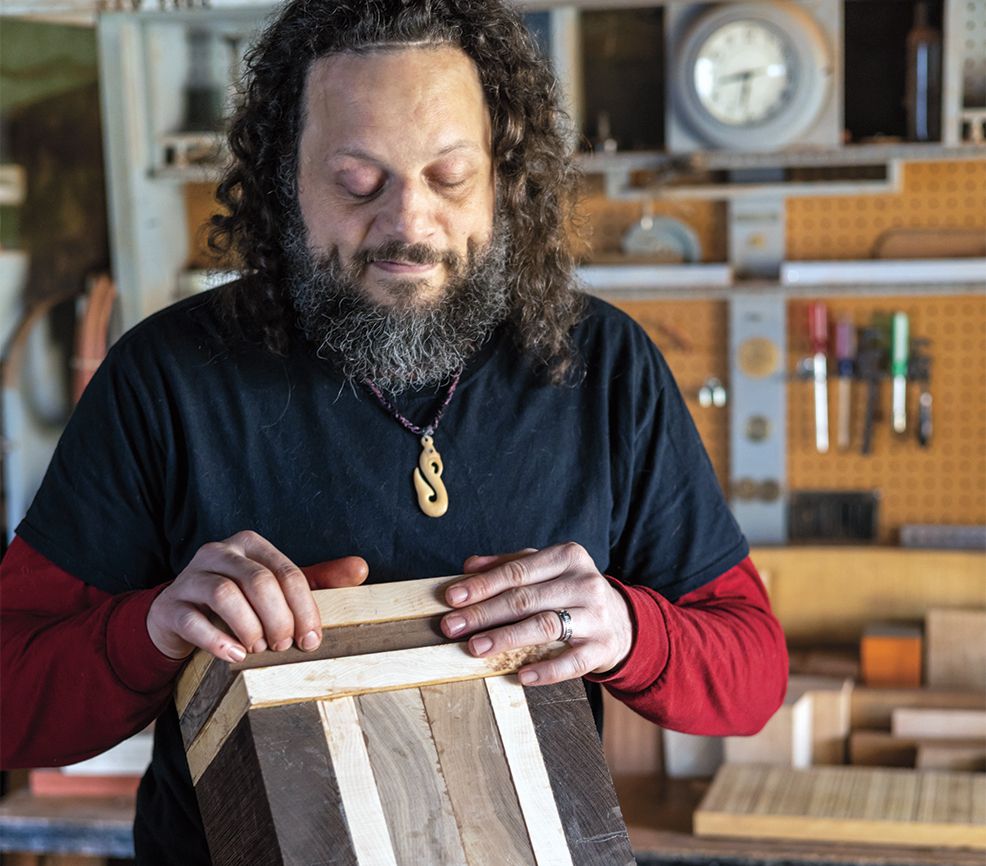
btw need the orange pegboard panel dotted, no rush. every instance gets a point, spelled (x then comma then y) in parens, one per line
(943, 483)
(605, 221)
(935, 195)
(692, 336)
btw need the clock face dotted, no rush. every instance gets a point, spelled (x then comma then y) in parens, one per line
(744, 73)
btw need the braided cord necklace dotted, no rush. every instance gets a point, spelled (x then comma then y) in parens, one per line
(427, 475)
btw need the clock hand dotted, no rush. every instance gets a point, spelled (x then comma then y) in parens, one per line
(745, 75)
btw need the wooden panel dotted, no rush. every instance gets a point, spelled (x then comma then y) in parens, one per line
(784, 741)
(476, 772)
(850, 587)
(970, 757)
(570, 746)
(358, 789)
(956, 642)
(846, 804)
(880, 749)
(530, 777)
(631, 743)
(872, 709)
(409, 778)
(336, 642)
(941, 724)
(830, 701)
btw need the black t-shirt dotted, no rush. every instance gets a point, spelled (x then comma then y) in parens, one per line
(183, 438)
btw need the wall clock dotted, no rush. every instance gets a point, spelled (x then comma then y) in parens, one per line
(754, 75)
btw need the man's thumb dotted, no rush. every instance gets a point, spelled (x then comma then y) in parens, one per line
(334, 573)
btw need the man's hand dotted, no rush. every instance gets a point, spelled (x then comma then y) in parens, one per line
(264, 599)
(510, 601)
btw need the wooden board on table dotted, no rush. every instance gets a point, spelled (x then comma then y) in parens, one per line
(956, 648)
(890, 655)
(847, 804)
(931, 723)
(883, 749)
(951, 755)
(872, 709)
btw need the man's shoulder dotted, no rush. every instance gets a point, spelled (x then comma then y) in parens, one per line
(609, 336)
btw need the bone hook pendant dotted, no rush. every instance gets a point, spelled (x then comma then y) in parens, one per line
(432, 496)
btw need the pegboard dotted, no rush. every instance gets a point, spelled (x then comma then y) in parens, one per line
(974, 54)
(935, 195)
(605, 221)
(944, 483)
(693, 336)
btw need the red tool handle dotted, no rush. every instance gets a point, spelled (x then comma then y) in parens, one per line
(818, 327)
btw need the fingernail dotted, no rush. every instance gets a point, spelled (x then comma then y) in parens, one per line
(259, 646)
(528, 677)
(236, 653)
(481, 644)
(455, 624)
(458, 594)
(282, 645)
(309, 641)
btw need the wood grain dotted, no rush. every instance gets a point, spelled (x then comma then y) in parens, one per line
(348, 676)
(409, 778)
(579, 776)
(336, 643)
(846, 804)
(956, 648)
(476, 773)
(357, 786)
(530, 778)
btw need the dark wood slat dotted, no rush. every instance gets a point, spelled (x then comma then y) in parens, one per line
(409, 779)
(476, 772)
(579, 776)
(336, 642)
(270, 796)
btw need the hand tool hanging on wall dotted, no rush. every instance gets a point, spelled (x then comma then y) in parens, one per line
(818, 333)
(870, 364)
(898, 368)
(845, 353)
(919, 370)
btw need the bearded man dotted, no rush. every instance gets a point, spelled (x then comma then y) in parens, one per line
(404, 383)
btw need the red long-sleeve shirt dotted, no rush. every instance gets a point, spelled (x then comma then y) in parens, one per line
(79, 672)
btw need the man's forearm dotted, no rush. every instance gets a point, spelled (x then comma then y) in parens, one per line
(79, 671)
(714, 662)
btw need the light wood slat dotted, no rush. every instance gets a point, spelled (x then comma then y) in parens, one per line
(408, 775)
(956, 642)
(383, 602)
(345, 606)
(938, 724)
(375, 672)
(208, 743)
(531, 782)
(353, 675)
(476, 772)
(847, 804)
(357, 785)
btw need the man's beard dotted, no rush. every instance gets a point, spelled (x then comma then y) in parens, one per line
(411, 343)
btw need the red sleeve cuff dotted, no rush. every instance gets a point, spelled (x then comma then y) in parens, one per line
(649, 650)
(132, 655)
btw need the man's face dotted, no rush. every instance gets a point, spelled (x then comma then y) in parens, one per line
(395, 173)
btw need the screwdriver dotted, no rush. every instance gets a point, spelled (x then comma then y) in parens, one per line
(818, 334)
(845, 353)
(899, 347)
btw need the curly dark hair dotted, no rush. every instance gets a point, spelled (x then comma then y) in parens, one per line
(537, 181)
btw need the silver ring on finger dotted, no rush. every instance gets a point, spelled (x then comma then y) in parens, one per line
(565, 618)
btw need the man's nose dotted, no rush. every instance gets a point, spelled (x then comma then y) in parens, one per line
(408, 213)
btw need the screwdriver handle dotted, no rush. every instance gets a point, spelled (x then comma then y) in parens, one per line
(818, 327)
